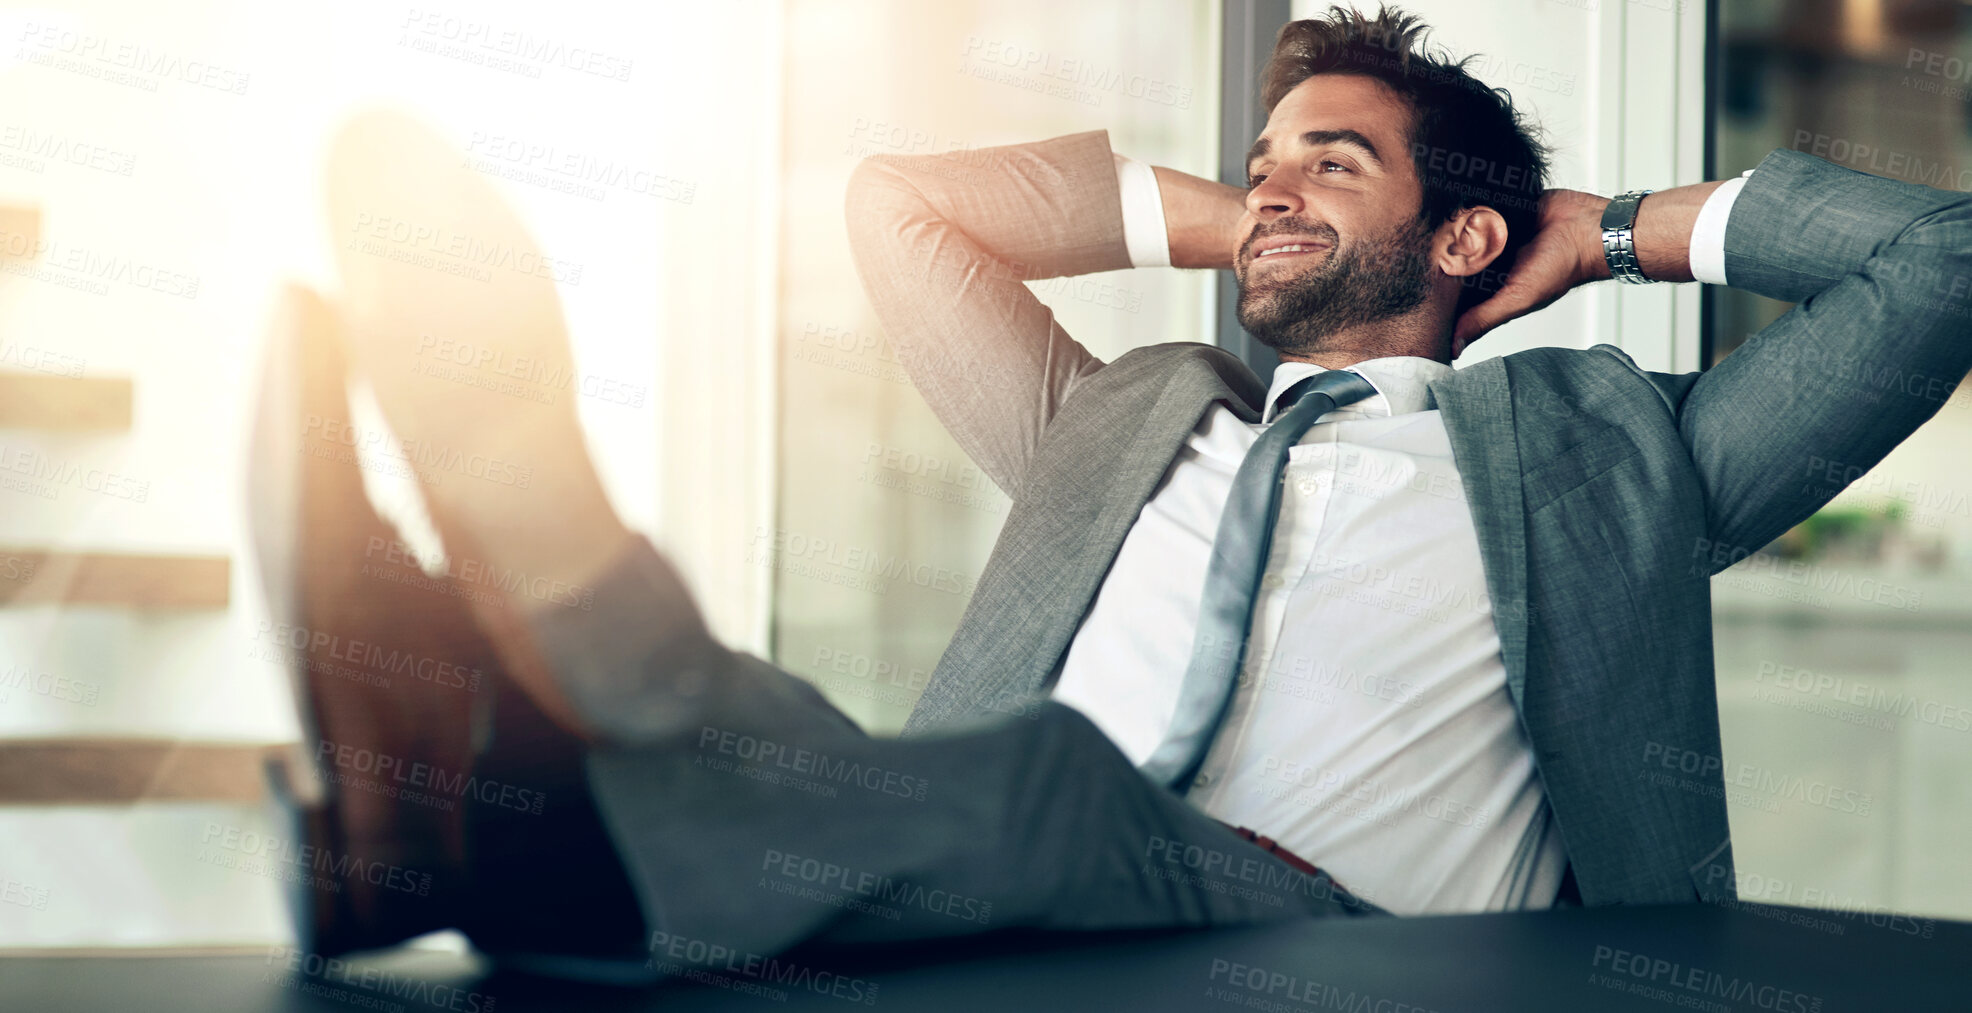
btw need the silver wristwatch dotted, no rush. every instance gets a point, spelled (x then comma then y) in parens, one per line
(1619, 238)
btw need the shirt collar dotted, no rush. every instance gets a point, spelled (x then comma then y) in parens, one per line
(1402, 382)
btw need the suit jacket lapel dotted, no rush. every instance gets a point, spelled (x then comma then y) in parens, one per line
(1478, 413)
(1195, 385)
(1085, 489)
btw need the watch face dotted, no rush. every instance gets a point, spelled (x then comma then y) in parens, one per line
(1621, 211)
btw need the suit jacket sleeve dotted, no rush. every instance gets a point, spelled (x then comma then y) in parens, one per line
(1882, 275)
(942, 243)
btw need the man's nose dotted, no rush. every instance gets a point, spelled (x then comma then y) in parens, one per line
(1271, 200)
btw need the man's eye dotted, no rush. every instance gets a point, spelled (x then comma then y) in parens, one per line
(1327, 165)
(1255, 179)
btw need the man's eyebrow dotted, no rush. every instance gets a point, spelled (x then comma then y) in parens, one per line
(1314, 137)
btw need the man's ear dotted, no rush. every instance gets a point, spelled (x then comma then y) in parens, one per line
(1469, 241)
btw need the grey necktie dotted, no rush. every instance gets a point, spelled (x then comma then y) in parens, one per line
(1239, 554)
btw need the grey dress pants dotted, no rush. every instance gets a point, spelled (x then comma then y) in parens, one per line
(734, 813)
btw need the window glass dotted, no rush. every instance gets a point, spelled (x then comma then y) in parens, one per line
(1841, 648)
(866, 472)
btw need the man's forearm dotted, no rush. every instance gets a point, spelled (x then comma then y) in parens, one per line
(1664, 224)
(1201, 218)
(1663, 234)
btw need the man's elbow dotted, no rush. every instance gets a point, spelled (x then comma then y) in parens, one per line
(1928, 271)
(878, 202)
(865, 182)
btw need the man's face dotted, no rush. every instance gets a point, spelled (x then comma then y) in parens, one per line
(1331, 236)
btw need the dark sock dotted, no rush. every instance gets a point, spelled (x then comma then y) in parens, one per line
(546, 872)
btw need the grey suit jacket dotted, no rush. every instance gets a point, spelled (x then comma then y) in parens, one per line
(1604, 495)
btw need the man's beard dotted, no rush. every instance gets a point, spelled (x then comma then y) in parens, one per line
(1367, 281)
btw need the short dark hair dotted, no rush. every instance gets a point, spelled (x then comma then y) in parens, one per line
(1469, 144)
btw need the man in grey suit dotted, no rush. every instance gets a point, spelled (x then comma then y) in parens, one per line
(1164, 558)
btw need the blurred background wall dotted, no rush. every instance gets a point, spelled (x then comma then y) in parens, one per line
(161, 169)
(1842, 649)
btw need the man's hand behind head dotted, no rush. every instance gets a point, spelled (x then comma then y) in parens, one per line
(1566, 251)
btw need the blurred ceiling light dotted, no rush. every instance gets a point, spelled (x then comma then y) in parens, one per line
(1862, 26)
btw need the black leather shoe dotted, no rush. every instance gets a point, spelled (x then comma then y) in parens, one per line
(388, 670)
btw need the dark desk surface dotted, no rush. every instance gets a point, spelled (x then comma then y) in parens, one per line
(1747, 957)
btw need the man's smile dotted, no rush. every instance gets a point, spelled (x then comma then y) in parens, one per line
(1285, 248)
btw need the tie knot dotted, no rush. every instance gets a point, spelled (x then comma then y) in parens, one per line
(1342, 386)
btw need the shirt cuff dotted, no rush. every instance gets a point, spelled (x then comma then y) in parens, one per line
(1144, 233)
(1708, 232)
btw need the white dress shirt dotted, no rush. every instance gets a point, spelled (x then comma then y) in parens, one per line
(1372, 732)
